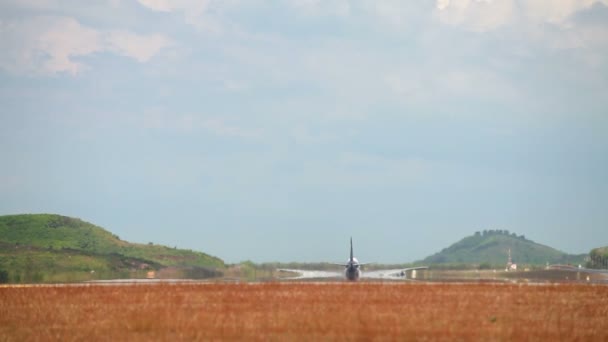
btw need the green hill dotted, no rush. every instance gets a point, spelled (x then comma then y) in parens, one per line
(56, 244)
(491, 248)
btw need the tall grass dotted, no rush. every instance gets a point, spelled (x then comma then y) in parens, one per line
(305, 311)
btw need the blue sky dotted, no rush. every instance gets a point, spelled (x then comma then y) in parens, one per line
(275, 130)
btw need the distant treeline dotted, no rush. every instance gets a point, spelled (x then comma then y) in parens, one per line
(489, 232)
(598, 258)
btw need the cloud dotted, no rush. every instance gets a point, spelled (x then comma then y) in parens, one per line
(397, 14)
(439, 85)
(50, 44)
(443, 4)
(221, 128)
(160, 119)
(475, 15)
(484, 15)
(138, 47)
(556, 12)
(341, 8)
(580, 27)
(46, 44)
(157, 5)
(194, 11)
(195, 7)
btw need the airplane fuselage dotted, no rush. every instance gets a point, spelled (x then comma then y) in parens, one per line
(352, 272)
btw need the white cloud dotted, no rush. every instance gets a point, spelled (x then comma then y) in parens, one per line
(340, 8)
(213, 16)
(195, 12)
(396, 13)
(221, 128)
(160, 119)
(353, 73)
(157, 5)
(472, 82)
(594, 36)
(31, 4)
(138, 47)
(476, 15)
(46, 44)
(443, 4)
(563, 29)
(556, 11)
(64, 6)
(484, 15)
(64, 40)
(439, 84)
(191, 7)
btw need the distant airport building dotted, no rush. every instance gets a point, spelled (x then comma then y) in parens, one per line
(511, 266)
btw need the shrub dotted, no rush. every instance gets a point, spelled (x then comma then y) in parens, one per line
(3, 276)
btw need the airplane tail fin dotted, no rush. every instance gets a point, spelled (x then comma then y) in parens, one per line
(351, 249)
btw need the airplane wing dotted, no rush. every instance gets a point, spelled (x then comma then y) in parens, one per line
(399, 273)
(345, 265)
(308, 274)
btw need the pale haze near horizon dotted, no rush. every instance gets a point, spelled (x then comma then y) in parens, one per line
(276, 130)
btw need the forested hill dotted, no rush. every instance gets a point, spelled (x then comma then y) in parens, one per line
(60, 233)
(491, 247)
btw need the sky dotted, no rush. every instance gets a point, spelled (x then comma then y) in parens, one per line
(276, 130)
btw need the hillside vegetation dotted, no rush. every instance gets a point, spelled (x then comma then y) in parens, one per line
(491, 248)
(37, 246)
(598, 258)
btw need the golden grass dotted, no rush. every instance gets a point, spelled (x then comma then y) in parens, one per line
(305, 311)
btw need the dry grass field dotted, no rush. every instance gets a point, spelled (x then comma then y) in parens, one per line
(305, 311)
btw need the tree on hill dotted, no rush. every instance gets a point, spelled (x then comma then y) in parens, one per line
(598, 258)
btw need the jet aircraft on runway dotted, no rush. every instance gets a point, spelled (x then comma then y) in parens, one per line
(352, 271)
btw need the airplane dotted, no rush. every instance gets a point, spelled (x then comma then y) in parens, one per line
(352, 271)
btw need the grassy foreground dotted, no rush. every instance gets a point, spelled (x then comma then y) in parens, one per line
(305, 311)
